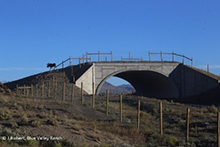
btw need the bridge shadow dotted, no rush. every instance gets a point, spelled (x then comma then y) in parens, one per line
(151, 84)
(190, 81)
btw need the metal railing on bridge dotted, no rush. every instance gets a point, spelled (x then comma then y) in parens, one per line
(108, 57)
(161, 54)
(87, 58)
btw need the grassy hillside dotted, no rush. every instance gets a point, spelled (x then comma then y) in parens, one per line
(28, 121)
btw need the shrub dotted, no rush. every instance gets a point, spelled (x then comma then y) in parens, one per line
(212, 109)
(155, 111)
(13, 124)
(153, 138)
(36, 123)
(58, 144)
(9, 144)
(52, 121)
(145, 114)
(8, 91)
(33, 143)
(171, 141)
(41, 107)
(105, 145)
(24, 119)
(5, 113)
(2, 90)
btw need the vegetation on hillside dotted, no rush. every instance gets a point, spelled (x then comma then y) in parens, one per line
(47, 122)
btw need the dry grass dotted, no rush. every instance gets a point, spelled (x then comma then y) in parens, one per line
(37, 113)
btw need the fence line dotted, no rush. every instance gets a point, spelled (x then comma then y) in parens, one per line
(34, 89)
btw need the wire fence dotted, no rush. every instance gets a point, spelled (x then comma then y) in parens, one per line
(185, 122)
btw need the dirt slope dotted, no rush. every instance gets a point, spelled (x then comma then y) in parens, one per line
(64, 123)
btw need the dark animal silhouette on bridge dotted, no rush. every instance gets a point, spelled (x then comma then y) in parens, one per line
(51, 65)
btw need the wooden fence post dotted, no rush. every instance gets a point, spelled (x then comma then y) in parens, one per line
(161, 56)
(36, 90)
(107, 102)
(138, 115)
(121, 108)
(93, 95)
(20, 90)
(24, 90)
(55, 89)
(98, 56)
(218, 125)
(74, 79)
(42, 89)
(17, 89)
(82, 98)
(48, 92)
(79, 63)
(72, 93)
(161, 118)
(71, 71)
(64, 91)
(32, 90)
(72, 75)
(27, 90)
(187, 124)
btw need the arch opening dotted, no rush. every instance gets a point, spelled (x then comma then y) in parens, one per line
(117, 85)
(149, 83)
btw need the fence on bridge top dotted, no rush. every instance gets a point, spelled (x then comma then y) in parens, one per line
(108, 57)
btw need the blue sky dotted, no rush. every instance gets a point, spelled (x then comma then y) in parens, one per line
(35, 32)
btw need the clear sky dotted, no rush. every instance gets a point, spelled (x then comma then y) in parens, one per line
(35, 32)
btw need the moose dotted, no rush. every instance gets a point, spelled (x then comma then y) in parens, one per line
(51, 65)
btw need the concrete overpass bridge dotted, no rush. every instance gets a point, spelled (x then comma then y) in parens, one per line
(158, 79)
(152, 79)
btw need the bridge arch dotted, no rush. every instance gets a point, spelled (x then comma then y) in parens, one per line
(148, 83)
